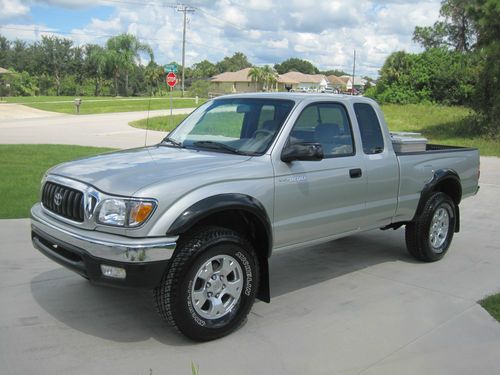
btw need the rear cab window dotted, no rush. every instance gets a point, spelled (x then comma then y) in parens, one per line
(369, 127)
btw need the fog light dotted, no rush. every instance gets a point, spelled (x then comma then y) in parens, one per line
(114, 272)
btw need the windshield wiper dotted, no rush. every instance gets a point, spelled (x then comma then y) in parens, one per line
(218, 146)
(172, 142)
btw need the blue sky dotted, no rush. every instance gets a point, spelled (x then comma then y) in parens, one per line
(324, 32)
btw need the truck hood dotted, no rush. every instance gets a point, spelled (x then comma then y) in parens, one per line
(125, 172)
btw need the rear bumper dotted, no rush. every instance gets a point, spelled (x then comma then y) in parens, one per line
(82, 251)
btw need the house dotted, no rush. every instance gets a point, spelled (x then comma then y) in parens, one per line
(306, 82)
(232, 82)
(359, 83)
(336, 82)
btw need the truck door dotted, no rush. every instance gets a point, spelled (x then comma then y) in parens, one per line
(317, 199)
(380, 169)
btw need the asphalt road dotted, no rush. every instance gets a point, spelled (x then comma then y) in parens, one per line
(20, 125)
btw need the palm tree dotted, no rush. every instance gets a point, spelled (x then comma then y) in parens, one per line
(270, 76)
(124, 51)
(255, 74)
(95, 64)
(154, 74)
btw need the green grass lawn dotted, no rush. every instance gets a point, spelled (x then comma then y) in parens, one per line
(440, 124)
(22, 168)
(160, 123)
(91, 105)
(492, 305)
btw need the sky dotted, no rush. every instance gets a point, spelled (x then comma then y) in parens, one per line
(324, 32)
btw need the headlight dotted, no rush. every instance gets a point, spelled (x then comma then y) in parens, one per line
(124, 212)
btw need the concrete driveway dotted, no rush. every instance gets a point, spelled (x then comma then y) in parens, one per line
(21, 124)
(358, 305)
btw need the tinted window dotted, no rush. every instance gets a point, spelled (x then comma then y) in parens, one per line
(328, 124)
(369, 127)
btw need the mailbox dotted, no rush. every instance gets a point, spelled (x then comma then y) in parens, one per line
(78, 102)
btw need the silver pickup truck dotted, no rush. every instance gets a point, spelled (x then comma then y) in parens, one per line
(196, 217)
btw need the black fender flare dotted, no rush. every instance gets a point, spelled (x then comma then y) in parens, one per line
(440, 176)
(231, 201)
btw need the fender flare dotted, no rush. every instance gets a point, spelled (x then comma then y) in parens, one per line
(439, 177)
(232, 201)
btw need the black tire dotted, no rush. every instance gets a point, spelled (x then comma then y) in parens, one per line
(173, 297)
(418, 233)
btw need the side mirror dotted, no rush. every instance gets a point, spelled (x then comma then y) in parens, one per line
(302, 151)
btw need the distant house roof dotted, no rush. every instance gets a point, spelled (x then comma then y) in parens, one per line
(239, 76)
(334, 80)
(299, 77)
(358, 81)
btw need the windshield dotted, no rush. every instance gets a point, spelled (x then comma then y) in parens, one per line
(239, 125)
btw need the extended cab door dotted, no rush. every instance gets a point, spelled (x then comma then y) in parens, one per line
(380, 167)
(317, 199)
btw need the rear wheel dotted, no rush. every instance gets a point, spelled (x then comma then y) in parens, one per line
(210, 285)
(429, 236)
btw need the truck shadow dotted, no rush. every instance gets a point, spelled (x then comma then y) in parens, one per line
(124, 315)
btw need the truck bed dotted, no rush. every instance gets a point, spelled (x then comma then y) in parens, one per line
(417, 168)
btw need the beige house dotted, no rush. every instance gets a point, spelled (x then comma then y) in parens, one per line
(336, 82)
(306, 82)
(232, 82)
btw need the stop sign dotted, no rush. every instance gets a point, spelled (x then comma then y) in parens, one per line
(171, 79)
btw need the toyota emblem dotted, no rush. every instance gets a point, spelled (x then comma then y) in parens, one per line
(58, 199)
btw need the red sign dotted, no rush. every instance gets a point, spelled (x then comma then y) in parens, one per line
(171, 79)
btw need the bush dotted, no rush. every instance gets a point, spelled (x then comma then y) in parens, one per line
(199, 88)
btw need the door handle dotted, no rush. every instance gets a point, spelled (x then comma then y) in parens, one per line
(355, 173)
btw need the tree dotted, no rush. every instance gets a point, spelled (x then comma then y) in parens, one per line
(203, 69)
(486, 15)
(255, 75)
(57, 55)
(296, 65)
(269, 76)
(457, 30)
(124, 50)
(265, 75)
(95, 65)
(234, 63)
(154, 75)
(334, 72)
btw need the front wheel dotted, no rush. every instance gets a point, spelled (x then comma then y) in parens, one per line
(210, 285)
(429, 236)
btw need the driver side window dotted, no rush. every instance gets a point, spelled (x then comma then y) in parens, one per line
(327, 124)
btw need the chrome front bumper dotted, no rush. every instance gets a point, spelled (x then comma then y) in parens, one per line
(105, 246)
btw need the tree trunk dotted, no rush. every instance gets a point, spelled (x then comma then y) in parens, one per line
(126, 83)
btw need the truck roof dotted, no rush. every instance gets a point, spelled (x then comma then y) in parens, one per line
(298, 97)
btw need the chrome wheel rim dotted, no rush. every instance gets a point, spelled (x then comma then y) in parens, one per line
(217, 287)
(439, 229)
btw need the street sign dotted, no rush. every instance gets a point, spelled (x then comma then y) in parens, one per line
(170, 68)
(171, 79)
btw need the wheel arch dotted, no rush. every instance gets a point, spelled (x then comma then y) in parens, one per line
(239, 212)
(446, 181)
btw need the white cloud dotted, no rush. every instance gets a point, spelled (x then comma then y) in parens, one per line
(12, 8)
(324, 32)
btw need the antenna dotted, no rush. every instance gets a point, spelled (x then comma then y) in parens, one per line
(147, 120)
(353, 72)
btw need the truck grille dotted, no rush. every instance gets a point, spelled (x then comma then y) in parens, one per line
(63, 201)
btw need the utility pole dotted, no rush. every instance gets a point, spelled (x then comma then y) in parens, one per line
(185, 9)
(353, 72)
